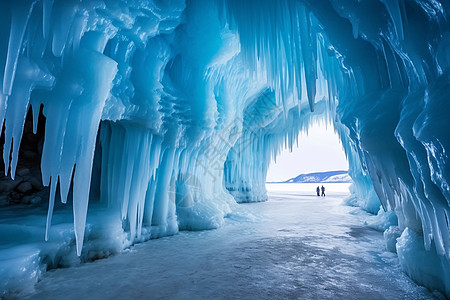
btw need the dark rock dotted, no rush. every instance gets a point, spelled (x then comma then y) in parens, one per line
(24, 187)
(7, 184)
(32, 199)
(36, 183)
(23, 172)
(27, 154)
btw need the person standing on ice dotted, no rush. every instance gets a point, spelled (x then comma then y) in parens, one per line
(323, 190)
(318, 191)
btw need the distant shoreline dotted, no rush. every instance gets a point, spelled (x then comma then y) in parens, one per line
(284, 182)
(339, 176)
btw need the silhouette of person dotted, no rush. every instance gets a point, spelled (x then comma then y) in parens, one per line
(318, 191)
(323, 191)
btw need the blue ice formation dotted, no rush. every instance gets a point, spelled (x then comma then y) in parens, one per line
(181, 105)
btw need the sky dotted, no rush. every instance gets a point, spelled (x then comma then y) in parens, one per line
(319, 150)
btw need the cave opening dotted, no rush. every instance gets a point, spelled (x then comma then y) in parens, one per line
(318, 149)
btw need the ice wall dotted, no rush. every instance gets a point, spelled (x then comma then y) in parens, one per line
(390, 86)
(185, 102)
(168, 85)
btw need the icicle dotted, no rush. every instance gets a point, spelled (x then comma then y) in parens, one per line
(19, 23)
(66, 174)
(28, 77)
(51, 205)
(3, 105)
(35, 112)
(63, 14)
(80, 205)
(46, 19)
(309, 55)
(393, 8)
(161, 204)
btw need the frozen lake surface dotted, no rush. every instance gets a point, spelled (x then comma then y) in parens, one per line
(295, 246)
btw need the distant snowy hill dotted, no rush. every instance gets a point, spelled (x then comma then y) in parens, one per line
(329, 176)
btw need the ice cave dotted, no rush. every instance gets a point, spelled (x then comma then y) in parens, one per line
(128, 120)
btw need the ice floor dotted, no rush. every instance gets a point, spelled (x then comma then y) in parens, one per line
(295, 246)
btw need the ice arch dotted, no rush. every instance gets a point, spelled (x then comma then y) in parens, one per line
(194, 98)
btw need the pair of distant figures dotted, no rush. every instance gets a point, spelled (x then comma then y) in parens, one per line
(320, 189)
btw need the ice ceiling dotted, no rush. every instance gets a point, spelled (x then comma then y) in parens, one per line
(184, 103)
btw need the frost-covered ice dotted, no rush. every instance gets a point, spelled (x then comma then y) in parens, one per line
(25, 256)
(295, 246)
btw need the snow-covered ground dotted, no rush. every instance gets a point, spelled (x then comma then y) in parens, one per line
(295, 246)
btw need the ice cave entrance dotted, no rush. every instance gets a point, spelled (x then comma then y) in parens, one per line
(319, 149)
